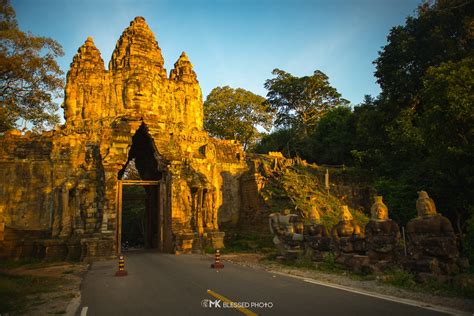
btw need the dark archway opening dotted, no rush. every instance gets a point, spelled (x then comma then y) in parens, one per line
(134, 218)
(140, 200)
(144, 155)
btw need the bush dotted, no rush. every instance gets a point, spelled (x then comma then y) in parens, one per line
(400, 278)
(469, 239)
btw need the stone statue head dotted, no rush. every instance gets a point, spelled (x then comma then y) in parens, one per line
(137, 92)
(345, 214)
(379, 210)
(425, 205)
(313, 215)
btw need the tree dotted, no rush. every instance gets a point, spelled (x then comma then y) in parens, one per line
(442, 31)
(333, 137)
(301, 102)
(30, 78)
(236, 114)
(278, 140)
(447, 124)
(418, 133)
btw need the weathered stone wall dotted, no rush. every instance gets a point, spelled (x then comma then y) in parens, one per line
(26, 172)
(273, 183)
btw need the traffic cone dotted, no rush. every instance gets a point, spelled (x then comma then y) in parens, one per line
(217, 261)
(121, 271)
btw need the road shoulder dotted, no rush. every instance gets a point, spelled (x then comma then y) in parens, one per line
(449, 304)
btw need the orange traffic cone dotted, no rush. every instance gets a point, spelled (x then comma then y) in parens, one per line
(217, 261)
(121, 271)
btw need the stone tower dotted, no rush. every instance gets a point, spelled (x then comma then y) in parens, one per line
(64, 186)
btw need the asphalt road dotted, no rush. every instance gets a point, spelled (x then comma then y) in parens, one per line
(163, 284)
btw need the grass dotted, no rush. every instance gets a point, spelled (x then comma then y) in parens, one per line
(432, 285)
(461, 285)
(19, 292)
(237, 240)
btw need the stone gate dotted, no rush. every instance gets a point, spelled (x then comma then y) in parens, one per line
(60, 191)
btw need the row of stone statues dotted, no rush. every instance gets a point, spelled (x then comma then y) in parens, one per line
(430, 247)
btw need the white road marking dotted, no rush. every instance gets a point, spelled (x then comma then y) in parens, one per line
(405, 301)
(84, 311)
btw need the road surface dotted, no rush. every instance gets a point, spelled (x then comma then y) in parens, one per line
(164, 284)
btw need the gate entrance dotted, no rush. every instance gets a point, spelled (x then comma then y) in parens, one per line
(153, 223)
(144, 168)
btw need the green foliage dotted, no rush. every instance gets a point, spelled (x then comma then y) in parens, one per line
(279, 140)
(208, 249)
(440, 32)
(400, 278)
(369, 135)
(245, 240)
(418, 134)
(133, 215)
(332, 140)
(235, 114)
(310, 116)
(469, 238)
(290, 190)
(447, 122)
(400, 198)
(329, 263)
(301, 102)
(303, 262)
(462, 285)
(329, 141)
(30, 78)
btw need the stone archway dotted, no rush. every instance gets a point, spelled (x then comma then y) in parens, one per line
(152, 176)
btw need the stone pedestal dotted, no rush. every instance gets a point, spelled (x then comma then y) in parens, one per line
(95, 249)
(356, 263)
(184, 243)
(316, 247)
(197, 244)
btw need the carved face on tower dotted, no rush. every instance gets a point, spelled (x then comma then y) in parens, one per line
(425, 205)
(379, 210)
(138, 92)
(346, 216)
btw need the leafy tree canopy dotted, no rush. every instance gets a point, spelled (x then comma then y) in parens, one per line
(30, 78)
(235, 114)
(332, 139)
(301, 101)
(442, 31)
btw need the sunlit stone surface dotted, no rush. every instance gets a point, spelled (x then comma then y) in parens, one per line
(59, 193)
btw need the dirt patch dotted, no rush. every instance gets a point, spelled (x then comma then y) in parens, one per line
(374, 286)
(52, 287)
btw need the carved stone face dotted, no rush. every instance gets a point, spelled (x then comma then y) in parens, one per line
(313, 215)
(380, 213)
(425, 208)
(379, 210)
(346, 216)
(137, 93)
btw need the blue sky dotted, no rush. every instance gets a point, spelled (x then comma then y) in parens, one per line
(235, 43)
